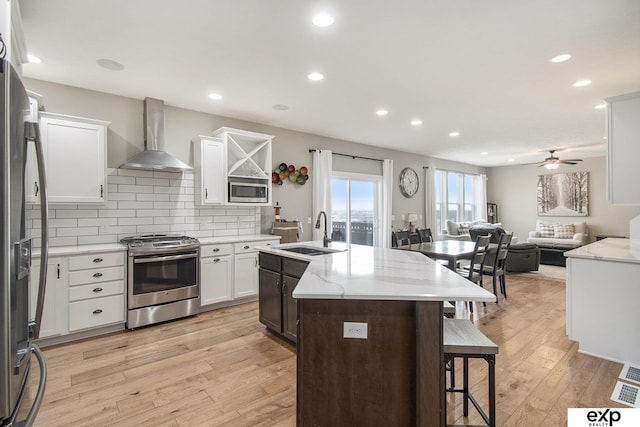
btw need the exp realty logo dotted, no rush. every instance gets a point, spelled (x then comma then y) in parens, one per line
(603, 417)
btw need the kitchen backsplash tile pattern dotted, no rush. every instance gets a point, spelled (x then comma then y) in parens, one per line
(141, 202)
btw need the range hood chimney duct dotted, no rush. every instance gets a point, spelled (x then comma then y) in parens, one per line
(154, 157)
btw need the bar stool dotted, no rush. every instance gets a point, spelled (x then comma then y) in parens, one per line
(463, 340)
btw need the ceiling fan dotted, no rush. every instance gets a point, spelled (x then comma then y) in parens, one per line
(553, 162)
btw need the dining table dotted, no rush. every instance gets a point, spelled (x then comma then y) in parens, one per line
(450, 250)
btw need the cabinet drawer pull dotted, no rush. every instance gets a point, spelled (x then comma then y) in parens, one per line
(247, 246)
(96, 260)
(216, 249)
(97, 275)
(96, 290)
(216, 260)
(98, 311)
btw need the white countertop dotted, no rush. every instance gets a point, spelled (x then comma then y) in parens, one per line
(237, 239)
(368, 273)
(609, 249)
(81, 249)
(114, 247)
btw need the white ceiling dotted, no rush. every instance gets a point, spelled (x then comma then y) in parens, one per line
(480, 67)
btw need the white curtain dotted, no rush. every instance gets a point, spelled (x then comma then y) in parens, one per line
(387, 192)
(322, 172)
(480, 196)
(430, 215)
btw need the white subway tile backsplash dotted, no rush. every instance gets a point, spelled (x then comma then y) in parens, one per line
(155, 197)
(143, 202)
(134, 205)
(135, 221)
(110, 213)
(76, 213)
(152, 212)
(78, 231)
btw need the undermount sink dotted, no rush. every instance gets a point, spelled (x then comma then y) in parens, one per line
(310, 250)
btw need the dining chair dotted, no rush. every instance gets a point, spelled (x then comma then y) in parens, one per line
(497, 270)
(425, 235)
(473, 271)
(400, 238)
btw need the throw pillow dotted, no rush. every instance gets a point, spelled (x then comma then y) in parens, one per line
(546, 230)
(452, 228)
(563, 231)
(463, 228)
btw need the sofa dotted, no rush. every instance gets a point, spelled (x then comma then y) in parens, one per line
(460, 230)
(559, 234)
(555, 238)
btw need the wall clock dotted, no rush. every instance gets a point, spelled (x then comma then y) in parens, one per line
(408, 182)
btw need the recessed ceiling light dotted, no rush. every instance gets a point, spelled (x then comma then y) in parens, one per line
(511, 160)
(110, 64)
(416, 122)
(561, 58)
(323, 19)
(215, 96)
(315, 77)
(382, 112)
(604, 137)
(600, 106)
(454, 133)
(484, 153)
(33, 59)
(581, 83)
(280, 107)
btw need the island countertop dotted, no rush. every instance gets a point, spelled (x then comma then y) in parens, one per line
(369, 273)
(609, 249)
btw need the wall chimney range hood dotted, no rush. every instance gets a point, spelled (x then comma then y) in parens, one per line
(154, 157)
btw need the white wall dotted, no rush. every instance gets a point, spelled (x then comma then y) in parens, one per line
(125, 139)
(513, 188)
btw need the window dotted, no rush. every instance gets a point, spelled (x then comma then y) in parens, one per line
(355, 204)
(457, 197)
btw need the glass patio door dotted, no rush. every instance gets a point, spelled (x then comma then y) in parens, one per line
(355, 201)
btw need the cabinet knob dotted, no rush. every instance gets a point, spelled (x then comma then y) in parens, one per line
(97, 275)
(98, 311)
(96, 290)
(97, 260)
(216, 249)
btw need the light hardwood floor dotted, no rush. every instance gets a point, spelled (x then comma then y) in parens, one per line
(223, 368)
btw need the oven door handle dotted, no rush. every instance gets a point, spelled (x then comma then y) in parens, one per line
(164, 258)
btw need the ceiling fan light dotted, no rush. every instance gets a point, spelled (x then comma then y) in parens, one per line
(552, 166)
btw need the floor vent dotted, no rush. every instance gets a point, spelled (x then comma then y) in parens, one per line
(626, 394)
(630, 373)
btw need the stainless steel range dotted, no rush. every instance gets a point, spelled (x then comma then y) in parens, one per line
(163, 279)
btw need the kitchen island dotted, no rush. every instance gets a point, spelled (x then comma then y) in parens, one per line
(602, 299)
(369, 347)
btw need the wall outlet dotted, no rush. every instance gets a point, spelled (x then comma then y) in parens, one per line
(308, 220)
(104, 227)
(355, 330)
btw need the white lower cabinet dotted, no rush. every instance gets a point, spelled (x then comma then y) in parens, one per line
(229, 271)
(216, 273)
(53, 313)
(83, 292)
(96, 290)
(246, 275)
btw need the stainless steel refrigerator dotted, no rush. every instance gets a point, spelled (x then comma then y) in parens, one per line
(17, 330)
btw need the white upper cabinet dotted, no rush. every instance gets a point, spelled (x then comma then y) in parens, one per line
(75, 152)
(209, 170)
(623, 149)
(233, 155)
(248, 159)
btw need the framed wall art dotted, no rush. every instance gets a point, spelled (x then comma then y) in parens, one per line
(563, 194)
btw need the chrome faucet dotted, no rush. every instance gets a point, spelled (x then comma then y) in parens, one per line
(325, 240)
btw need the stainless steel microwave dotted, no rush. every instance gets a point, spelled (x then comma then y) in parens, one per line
(248, 192)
